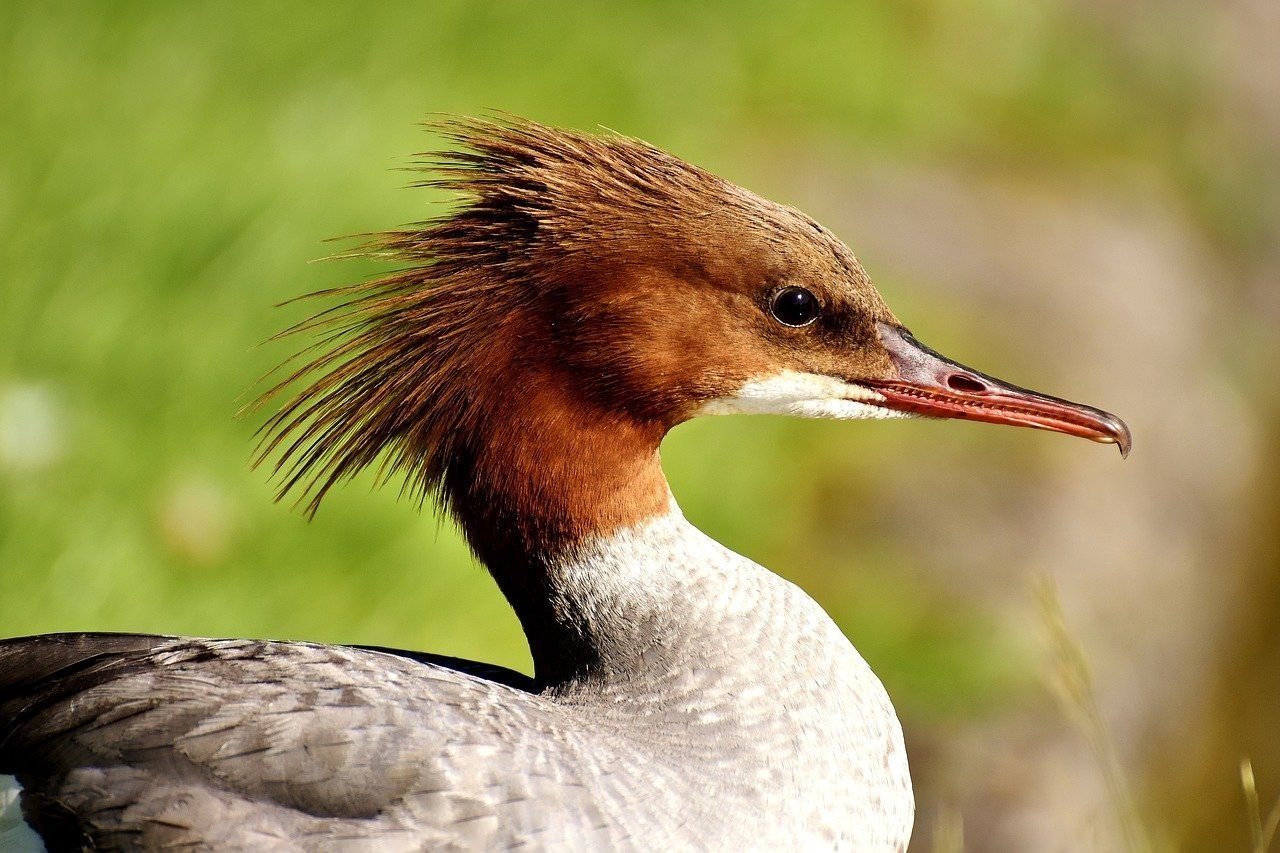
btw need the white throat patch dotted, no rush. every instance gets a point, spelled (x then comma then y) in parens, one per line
(805, 395)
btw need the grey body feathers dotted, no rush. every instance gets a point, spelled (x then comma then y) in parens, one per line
(734, 716)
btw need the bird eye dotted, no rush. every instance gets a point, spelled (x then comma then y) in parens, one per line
(794, 306)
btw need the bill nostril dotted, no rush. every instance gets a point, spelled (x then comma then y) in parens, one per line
(965, 384)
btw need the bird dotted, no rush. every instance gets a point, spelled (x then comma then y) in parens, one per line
(585, 293)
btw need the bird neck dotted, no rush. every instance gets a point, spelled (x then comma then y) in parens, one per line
(720, 669)
(547, 477)
(637, 619)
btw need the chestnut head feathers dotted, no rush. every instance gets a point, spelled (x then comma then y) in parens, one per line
(586, 294)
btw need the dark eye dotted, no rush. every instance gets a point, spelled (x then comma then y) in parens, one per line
(794, 306)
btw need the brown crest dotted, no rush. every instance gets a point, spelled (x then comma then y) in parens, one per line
(587, 293)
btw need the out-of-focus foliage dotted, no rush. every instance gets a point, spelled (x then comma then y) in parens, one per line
(167, 170)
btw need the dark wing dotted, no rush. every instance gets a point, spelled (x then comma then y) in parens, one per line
(486, 671)
(126, 741)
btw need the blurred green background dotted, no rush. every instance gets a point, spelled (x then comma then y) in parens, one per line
(1077, 196)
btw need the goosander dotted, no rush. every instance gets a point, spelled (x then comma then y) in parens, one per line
(587, 294)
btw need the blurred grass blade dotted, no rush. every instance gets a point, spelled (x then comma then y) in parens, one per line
(1261, 833)
(948, 831)
(1072, 684)
(1250, 787)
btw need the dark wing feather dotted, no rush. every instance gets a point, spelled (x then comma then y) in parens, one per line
(123, 741)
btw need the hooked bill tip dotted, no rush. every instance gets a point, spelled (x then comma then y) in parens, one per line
(1118, 434)
(930, 384)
